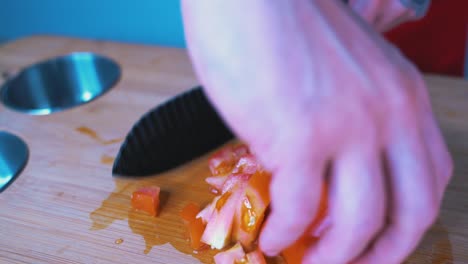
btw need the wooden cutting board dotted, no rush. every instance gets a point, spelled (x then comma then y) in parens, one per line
(67, 208)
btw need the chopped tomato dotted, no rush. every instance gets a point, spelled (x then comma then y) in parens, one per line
(217, 182)
(233, 255)
(206, 214)
(236, 214)
(237, 255)
(246, 164)
(241, 150)
(233, 180)
(194, 225)
(146, 199)
(223, 161)
(219, 227)
(189, 213)
(250, 212)
(255, 257)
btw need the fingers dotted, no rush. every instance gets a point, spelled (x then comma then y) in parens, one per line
(382, 14)
(438, 153)
(295, 194)
(414, 204)
(394, 13)
(357, 209)
(367, 9)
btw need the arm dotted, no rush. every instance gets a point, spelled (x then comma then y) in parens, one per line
(318, 95)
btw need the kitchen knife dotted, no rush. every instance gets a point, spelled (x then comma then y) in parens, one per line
(170, 135)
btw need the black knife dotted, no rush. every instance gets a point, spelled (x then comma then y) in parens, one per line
(171, 134)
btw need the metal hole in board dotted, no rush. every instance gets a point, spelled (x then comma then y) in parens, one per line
(14, 155)
(60, 83)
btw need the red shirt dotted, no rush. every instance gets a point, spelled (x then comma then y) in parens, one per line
(438, 42)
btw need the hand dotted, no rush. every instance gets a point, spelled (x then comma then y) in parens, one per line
(318, 95)
(383, 14)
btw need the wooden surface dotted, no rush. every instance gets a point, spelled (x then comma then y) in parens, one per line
(67, 208)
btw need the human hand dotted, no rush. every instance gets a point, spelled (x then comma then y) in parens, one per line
(320, 96)
(386, 14)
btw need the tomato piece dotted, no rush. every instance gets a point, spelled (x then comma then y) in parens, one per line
(146, 199)
(247, 164)
(194, 225)
(250, 212)
(189, 213)
(255, 257)
(223, 161)
(237, 255)
(241, 150)
(217, 182)
(196, 228)
(206, 214)
(219, 227)
(233, 180)
(233, 255)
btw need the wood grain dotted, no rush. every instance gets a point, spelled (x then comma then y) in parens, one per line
(67, 208)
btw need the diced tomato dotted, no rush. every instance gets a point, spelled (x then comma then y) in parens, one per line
(189, 213)
(250, 212)
(259, 186)
(218, 230)
(223, 161)
(194, 225)
(237, 214)
(255, 257)
(233, 180)
(231, 256)
(237, 255)
(295, 253)
(206, 214)
(247, 164)
(241, 150)
(217, 182)
(146, 199)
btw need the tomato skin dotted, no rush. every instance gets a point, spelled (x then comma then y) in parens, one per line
(194, 225)
(146, 199)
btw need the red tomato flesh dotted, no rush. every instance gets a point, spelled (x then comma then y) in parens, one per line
(146, 199)
(194, 225)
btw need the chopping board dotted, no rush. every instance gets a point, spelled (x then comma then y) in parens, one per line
(66, 207)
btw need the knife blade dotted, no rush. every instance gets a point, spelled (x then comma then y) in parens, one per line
(171, 134)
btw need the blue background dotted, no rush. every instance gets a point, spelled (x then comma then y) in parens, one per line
(139, 21)
(156, 22)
